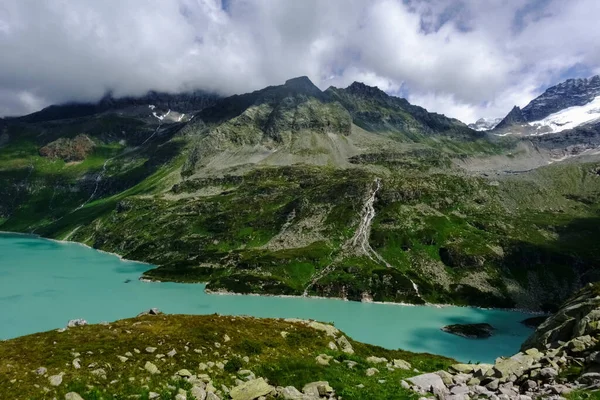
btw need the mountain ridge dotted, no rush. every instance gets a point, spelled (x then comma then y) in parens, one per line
(347, 193)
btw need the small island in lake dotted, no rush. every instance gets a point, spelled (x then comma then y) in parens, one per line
(471, 331)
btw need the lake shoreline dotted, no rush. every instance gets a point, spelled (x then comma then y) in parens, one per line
(224, 292)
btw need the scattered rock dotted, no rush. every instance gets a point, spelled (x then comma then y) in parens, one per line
(122, 359)
(100, 373)
(372, 371)
(376, 360)
(198, 393)
(56, 380)
(446, 377)
(428, 382)
(152, 311)
(153, 369)
(172, 353)
(345, 345)
(290, 393)
(150, 349)
(317, 389)
(401, 364)
(463, 368)
(251, 390)
(184, 373)
(41, 371)
(73, 396)
(212, 396)
(76, 322)
(323, 359)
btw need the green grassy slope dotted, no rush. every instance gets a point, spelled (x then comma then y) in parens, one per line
(284, 359)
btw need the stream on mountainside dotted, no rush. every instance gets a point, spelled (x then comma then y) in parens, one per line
(45, 283)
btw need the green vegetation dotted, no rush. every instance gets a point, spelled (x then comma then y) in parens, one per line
(282, 359)
(265, 192)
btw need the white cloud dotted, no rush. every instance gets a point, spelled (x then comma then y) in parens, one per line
(463, 58)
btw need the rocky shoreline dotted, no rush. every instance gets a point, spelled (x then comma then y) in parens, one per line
(562, 356)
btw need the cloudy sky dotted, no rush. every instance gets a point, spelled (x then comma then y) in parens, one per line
(463, 58)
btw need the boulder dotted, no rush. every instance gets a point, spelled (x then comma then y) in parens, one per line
(152, 311)
(317, 389)
(428, 382)
(251, 390)
(76, 322)
(56, 380)
(184, 373)
(376, 360)
(493, 384)
(198, 393)
(462, 368)
(548, 374)
(41, 371)
(371, 371)
(345, 345)
(99, 372)
(73, 396)
(153, 369)
(446, 377)
(291, 393)
(323, 359)
(401, 364)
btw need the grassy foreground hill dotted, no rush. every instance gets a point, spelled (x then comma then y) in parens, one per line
(290, 190)
(158, 356)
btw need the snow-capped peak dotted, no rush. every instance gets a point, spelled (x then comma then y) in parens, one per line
(485, 124)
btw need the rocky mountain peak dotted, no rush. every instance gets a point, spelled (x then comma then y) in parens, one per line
(515, 116)
(572, 92)
(303, 85)
(360, 89)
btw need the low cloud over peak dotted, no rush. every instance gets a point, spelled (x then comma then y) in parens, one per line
(467, 59)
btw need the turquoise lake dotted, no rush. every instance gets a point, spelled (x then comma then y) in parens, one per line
(44, 284)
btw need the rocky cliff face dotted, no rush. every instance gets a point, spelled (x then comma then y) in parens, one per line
(579, 316)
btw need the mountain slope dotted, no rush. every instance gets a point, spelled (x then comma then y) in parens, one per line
(290, 190)
(374, 110)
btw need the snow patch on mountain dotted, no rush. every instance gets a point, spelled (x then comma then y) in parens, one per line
(568, 118)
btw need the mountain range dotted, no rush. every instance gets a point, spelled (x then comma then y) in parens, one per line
(347, 192)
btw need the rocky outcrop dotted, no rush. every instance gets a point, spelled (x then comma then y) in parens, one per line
(579, 316)
(76, 149)
(561, 356)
